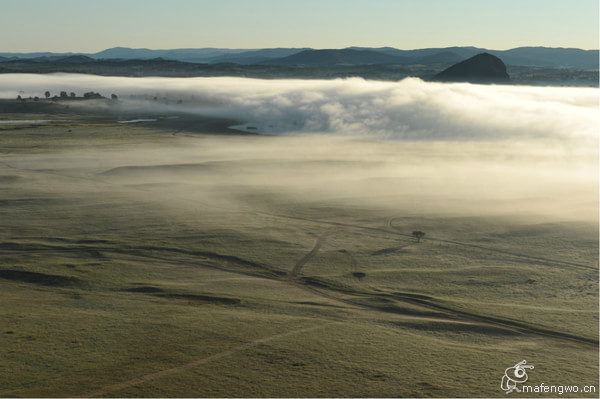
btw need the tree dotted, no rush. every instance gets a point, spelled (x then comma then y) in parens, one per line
(63, 94)
(114, 97)
(72, 94)
(47, 94)
(418, 235)
(91, 95)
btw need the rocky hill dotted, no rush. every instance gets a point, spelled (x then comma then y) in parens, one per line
(482, 68)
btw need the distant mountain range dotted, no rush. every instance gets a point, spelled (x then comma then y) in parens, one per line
(542, 57)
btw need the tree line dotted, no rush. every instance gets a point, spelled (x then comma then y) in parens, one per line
(63, 95)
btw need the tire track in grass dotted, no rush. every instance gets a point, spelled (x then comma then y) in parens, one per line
(446, 314)
(298, 267)
(426, 302)
(163, 373)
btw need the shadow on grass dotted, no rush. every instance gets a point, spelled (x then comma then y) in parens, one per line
(386, 251)
(38, 278)
(190, 297)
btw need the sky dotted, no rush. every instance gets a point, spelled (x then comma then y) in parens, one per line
(94, 25)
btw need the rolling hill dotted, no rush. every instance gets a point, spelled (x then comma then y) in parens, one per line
(542, 57)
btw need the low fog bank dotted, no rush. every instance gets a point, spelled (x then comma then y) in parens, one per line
(269, 173)
(409, 109)
(409, 178)
(410, 147)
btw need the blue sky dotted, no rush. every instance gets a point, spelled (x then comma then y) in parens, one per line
(94, 25)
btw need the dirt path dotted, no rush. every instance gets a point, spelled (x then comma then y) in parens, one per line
(325, 291)
(428, 303)
(163, 373)
(298, 267)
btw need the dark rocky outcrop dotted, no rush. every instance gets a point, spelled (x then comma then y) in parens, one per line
(482, 68)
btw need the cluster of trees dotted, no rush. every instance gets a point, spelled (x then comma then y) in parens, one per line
(64, 96)
(165, 98)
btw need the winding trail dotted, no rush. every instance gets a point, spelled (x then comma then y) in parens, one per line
(430, 303)
(298, 267)
(163, 373)
(317, 287)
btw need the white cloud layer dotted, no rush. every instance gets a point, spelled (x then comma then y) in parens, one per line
(410, 147)
(408, 109)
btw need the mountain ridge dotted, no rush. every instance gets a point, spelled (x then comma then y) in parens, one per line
(546, 57)
(338, 57)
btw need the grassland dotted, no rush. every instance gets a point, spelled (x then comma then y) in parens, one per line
(155, 260)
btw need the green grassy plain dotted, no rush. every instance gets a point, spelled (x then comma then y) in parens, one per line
(154, 260)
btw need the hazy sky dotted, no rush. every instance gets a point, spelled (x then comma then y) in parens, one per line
(94, 25)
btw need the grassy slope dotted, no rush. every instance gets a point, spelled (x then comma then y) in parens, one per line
(155, 287)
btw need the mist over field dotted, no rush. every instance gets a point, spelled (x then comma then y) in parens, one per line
(412, 146)
(408, 109)
(261, 199)
(375, 239)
